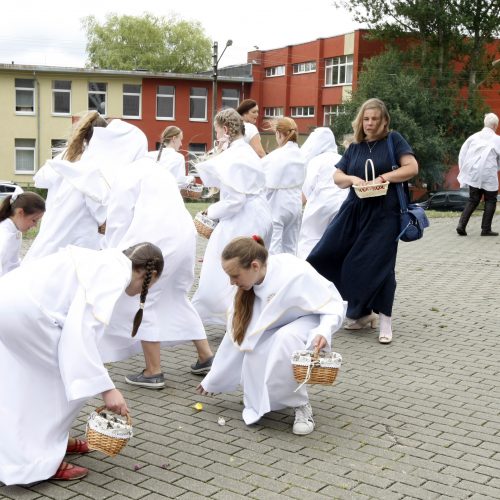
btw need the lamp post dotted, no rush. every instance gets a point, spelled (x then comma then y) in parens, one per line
(215, 66)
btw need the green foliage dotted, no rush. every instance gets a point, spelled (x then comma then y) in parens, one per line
(147, 42)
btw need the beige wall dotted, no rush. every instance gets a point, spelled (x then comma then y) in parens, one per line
(43, 126)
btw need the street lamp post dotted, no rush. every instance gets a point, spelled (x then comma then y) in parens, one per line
(215, 66)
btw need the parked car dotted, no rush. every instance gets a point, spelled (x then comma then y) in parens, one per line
(8, 187)
(446, 200)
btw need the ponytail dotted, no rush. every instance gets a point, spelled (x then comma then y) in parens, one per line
(246, 250)
(31, 203)
(82, 133)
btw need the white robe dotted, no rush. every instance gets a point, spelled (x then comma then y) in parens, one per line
(479, 160)
(145, 205)
(285, 170)
(78, 191)
(53, 312)
(292, 305)
(173, 162)
(324, 197)
(10, 246)
(242, 211)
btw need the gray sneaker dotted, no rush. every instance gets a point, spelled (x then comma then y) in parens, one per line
(153, 382)
(202, 368)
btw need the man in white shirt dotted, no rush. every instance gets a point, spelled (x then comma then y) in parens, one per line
(479, 162)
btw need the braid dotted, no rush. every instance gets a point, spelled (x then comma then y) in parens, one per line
(150, 265)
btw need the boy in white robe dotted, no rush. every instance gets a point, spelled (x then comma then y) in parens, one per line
(282, 305)
(53, 312)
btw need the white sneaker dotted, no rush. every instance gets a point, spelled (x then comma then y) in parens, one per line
(304, 423)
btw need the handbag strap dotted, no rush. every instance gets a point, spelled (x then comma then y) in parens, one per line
(399, 185)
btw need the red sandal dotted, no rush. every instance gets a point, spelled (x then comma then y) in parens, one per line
(69, 472)
(78, 446)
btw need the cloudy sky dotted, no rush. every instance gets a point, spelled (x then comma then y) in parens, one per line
(49, 32)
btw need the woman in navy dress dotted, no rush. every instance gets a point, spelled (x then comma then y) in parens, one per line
(358, 249)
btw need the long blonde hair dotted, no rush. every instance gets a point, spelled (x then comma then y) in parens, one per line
(287, 128)
(82, 133)
(246, 250)
(357, 124)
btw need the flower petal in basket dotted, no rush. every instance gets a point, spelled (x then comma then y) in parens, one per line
(204, 225)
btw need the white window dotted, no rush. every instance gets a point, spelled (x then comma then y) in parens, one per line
(275, 71)
(273, 112)
(131, 100)
(302, 111)
(165, 102)
(61, 97)
(198, 104)
(330, 112)
(25, 96)
(305, 67)
(25, 156)
(338, 70)
(230, 98)
(97, 97)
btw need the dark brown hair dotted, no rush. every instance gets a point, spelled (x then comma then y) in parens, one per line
(148, 257)
(246, 250)
(31, 203)
(245, 106)
(82, 133)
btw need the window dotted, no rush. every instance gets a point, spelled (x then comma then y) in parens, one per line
(57, 146)
(25, 156)
(275, 71)
(302, 111)
(195, 150)
(61, 97)
(165, 102)
(97, 97)
(273, 112)
(25, 96)
(338, 70)
(230, 98)
(198, 104)
(330, 112)
(305, 67)
(131, 101)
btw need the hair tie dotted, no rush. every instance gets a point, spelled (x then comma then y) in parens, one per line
(256, 238)
(141, 305)
(13, 198)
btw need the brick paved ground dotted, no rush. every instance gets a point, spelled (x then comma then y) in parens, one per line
(417, 419)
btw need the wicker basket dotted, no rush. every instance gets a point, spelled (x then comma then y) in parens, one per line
(313, 367)
(204, 225)
(371, 190)
(108, 433)
(192, 191)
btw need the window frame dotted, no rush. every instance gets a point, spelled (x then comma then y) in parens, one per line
(339, 110)
(166, 97)
(296, 67)
(335, 65)
(64, 92)
(274, 71)
(98, 92)
(274, 114)
(24, 148)
(294, 112)
(25, 89)
(195, 97)
(225, 99)
(132, 94)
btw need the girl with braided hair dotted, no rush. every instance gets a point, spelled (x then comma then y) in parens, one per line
(285, 170)
(281, 304)
(54, 312)
(18, 213)
(242, 208)
(79, 180)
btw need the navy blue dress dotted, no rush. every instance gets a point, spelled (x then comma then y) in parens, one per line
(358, 250)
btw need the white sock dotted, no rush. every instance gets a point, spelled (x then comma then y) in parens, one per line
(385, 324)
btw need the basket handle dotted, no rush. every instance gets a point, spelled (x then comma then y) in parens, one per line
(369, 161)
(101, 408)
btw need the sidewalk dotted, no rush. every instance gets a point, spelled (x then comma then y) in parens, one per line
(416, 419)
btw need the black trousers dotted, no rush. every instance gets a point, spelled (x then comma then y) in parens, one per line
(490, 205)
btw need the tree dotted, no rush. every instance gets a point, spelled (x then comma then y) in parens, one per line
(147, 42)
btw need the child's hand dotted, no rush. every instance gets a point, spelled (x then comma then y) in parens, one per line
(319, 342)
(115, 402)
(202, 392)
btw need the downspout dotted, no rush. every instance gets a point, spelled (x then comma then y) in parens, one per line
(38, 120)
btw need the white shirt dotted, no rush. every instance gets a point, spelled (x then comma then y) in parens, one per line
(250, 132)
(479, 160)
(10, 246)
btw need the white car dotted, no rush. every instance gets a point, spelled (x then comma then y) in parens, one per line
(8, 187)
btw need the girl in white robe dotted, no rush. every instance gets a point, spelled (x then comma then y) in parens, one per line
(282, 304)
(79, 183)
(285, 170)
(323, 197)
(53, 312)
(18, 214)
(169, 158)
(145, 205)
(242, 209)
